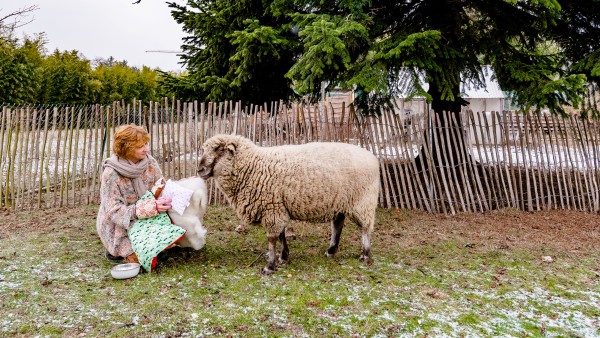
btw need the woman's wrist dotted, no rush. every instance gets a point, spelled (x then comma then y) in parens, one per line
(146, 209)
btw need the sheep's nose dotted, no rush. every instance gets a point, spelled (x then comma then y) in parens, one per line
(201, 165)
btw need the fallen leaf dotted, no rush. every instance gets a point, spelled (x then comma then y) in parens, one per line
(436, 294)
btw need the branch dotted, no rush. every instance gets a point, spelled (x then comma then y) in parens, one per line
(18, 16)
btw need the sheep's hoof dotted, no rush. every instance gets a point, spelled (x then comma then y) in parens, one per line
(366, 259)
(330, 255)
(282, 261)
(266, 271)
(240, 228)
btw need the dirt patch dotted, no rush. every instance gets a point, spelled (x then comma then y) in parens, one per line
(561, 230)
(45, 221)
(573, 232)
(569, 231)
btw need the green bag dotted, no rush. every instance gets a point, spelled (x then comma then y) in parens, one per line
(152, 235)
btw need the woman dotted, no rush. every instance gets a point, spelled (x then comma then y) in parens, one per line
(126, 177)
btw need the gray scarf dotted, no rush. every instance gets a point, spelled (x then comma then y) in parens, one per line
(131, 170)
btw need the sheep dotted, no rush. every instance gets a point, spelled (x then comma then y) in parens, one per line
(318, 182)
(192, 218)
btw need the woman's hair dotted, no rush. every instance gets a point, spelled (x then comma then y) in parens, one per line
(127, 138)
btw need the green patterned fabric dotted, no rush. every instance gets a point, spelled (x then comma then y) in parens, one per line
(152, 235)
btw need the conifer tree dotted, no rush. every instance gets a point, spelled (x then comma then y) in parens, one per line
(236, 50)
(577, 33)
(260, 50)
(256, 50)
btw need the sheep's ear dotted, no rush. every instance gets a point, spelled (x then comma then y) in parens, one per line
(232, 148)
(220, 149)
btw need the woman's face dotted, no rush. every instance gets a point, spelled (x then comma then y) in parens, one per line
(138, 154)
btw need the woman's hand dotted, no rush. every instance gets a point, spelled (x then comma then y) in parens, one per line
(163, 204)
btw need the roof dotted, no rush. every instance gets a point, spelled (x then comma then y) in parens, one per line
(491, 89)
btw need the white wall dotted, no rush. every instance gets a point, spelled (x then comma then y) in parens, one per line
(486, 104)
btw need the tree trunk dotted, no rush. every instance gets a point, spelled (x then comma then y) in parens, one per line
(443, 164)
(446, 134)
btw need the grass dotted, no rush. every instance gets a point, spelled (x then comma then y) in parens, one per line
(432, 276)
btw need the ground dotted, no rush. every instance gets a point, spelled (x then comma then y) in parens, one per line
(569, 231)
(504, 273)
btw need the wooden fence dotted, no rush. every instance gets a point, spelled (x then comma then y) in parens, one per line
(51, 156)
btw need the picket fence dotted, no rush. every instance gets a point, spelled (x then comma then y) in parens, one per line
(51, 156)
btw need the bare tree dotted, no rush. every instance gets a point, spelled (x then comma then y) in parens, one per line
(19, 18)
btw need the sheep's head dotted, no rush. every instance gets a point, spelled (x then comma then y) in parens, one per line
(217, 152)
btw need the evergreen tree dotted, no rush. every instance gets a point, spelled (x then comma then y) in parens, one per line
(578, 35)
(381, 49)
(578, 32)
(65, 78)
(253, 50)
(20, 69)
(28, 75)
(236, 50)
(115, 81)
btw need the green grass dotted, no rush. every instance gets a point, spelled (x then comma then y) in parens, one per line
(55, 282)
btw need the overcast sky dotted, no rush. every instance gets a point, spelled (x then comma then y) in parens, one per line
(104, 28)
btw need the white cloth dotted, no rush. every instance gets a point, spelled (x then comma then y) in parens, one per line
(179, 195)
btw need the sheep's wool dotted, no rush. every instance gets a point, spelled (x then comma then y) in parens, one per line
(320, 181)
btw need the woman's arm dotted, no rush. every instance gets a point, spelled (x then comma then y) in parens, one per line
(119, 211)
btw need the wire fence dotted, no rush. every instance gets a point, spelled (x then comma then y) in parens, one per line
(51, 156)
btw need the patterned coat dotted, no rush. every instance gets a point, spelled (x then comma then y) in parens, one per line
(117, 207)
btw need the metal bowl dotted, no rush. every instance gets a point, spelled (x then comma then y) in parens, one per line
(124, 271)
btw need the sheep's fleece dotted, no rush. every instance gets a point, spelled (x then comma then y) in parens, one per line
(193, 216)
(320, 181)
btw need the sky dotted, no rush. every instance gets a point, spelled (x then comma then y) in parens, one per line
(104, 28)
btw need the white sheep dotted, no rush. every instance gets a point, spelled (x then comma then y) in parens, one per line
(319, 182)
(192, 218)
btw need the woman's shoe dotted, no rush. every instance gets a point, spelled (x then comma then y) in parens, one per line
(133, 258)
(110, 257)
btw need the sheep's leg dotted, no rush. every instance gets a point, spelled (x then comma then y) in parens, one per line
(275, 225)
(270, 267)
(290, 233)
(365, 255)
(337, 224)
(367, 229)
(283, 258)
